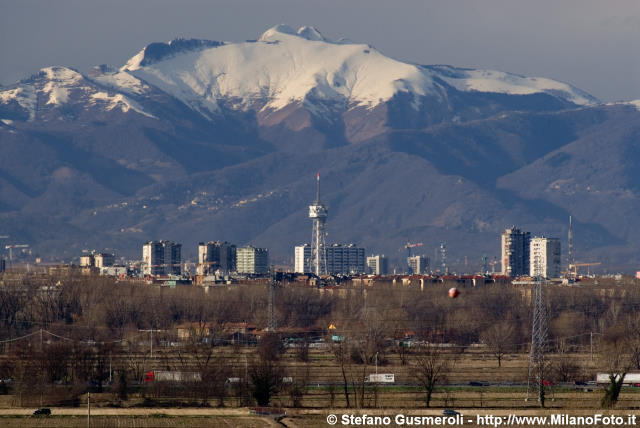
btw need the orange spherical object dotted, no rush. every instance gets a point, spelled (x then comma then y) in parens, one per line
(453, 293)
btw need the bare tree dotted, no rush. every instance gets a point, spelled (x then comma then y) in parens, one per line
(432, 365)
(266, 380)
(615, 357)
(564, 367)
(341, 353)
(499, 338)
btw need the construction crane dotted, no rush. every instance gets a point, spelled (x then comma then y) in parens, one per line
(574, 273)
(11, 247)
(493, 264)
(409, 246)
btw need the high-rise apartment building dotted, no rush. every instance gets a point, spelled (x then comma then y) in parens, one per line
(419, 264)
(214, 256)
(378, 265)
(545, 257)
(251, 260)
(101, 260)
(341, 259)
(345, 259)
(161, 258)
(302, 259)
(515, 252)
(98, 260)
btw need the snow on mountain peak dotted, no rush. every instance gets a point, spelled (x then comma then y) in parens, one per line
(506, 83)
(272, 33)
(276, 32)
(118, 101)
(56, 82)
(62, 74)
(286, 66)
(633, 103)
(60, 80)
(310, 33)
(155, 52)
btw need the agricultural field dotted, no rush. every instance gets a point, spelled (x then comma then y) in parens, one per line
(145, 356)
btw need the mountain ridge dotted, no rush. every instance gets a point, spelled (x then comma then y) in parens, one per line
(173, 146)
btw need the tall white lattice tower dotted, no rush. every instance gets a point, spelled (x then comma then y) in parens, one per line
(318, 214)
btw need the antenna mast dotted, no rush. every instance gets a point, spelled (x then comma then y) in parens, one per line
(571, 255)
(318, 213)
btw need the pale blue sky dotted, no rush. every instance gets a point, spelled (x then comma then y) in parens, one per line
(592, 44)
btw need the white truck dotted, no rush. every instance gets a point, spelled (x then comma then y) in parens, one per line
(629, 379)
(381, 378)
(171, 376)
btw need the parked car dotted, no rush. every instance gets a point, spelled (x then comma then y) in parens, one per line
(43, 411)
(450, 412)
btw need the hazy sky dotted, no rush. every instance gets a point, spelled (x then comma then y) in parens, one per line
(592, 44)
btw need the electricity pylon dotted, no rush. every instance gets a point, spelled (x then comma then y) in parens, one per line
(537, 361)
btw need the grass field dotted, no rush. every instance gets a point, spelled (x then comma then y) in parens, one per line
(123, 421)
(296, 419)
(319, 399)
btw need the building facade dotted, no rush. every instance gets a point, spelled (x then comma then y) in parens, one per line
(345, 259)
(101, 260)
(515, 252)
(378, 265)
(98, 260)
(302, 259)
(341, 259)
(545, 257)
(161, 258)
(86, 260)
(214, 256)
(419, 264)
(252, 261)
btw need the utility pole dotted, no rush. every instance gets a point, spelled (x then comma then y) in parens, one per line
(376, 366)
(591, 334)
(151, 339)
(88, 409)
(272, 315)
(537, 362)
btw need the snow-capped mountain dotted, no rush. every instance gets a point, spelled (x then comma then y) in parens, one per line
(284, 67)
(63, 89)
(198, 135)
(284, 71)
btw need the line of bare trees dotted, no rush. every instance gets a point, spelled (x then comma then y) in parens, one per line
(96, 319)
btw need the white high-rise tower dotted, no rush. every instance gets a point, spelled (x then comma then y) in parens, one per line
(318, 214)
